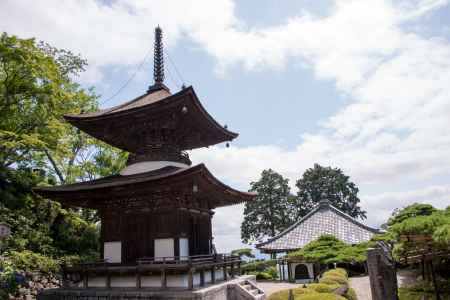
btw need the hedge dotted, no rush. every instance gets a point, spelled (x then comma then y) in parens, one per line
(330, 281)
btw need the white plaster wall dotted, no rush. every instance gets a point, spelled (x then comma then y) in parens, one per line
(147, 166)
(164, 248)
(177, 281)
(284, 270)
(151, 281)
(184, 247)
(97, 282)
(207, 276)
(197, 279)
(219, 274)
(112, 251)
(123, 281)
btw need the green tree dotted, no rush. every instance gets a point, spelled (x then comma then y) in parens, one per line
(37, 147)
(421, 219)
(36, 90)
(270, 212)
(244, 252)
(410, 211)
(332, 184)
(329, 249)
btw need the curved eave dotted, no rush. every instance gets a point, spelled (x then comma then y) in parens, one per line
(227, 195)
(205, 113)
(227, 190)
(85, 121)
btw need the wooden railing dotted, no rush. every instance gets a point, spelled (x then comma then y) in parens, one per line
(190, 260)
(420, 248)
(228, 264)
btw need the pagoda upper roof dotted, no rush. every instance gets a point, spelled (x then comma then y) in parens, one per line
(323, 219)
(180, 114)
(167, 183)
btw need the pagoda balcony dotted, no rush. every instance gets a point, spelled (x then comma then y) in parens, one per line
(186, 272)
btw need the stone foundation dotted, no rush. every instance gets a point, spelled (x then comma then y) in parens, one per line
(220, 291)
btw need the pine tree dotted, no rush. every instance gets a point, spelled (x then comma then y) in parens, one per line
(319, 183)
(271, 211)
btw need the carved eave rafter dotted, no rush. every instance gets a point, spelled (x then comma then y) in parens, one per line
(178, 119)
(191, 188)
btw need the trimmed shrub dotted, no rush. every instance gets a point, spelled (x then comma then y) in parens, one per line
(263, 276)
(284, 294)
(320, 296)
(273, 272)
(328, 280)
(258, 266)
(338, 271)
(351, 294)
(334, 277)
(323, 288)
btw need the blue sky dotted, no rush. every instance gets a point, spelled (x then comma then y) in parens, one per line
(361, 85)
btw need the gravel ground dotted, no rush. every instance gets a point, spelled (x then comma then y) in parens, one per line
(270, 287)
(361, 285)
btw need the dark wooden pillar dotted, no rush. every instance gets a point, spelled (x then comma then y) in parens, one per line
(85, 279)
(108, 279)
(213, 275)
(176, 246)
(202, 277)
(289, 272)
(225, 275)
(163, 278)
(138, 278)
(102, 234)
(191, 278)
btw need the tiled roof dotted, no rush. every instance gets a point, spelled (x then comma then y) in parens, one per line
(98, 193)
(146, 99)
(324, 219)
(153, 119)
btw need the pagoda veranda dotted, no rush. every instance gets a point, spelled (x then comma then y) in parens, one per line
(156, 214)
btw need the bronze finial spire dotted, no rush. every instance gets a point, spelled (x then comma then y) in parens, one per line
(158, 67)
(158, 63)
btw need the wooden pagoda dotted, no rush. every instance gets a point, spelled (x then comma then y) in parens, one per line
(156, 214)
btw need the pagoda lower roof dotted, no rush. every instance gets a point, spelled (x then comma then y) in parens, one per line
(157, 187)
(179, 116)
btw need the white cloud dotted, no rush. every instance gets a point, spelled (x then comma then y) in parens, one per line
(391, 136)
(382, 205)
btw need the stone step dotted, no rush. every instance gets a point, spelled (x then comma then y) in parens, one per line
(254, 291)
